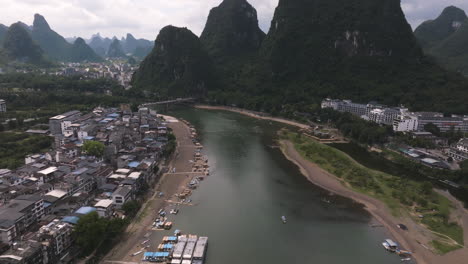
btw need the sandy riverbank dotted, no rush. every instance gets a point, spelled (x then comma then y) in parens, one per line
(409, 240)
(253, 114)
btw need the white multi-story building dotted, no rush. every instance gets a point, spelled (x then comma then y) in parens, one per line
(405, 122)
(2, 106)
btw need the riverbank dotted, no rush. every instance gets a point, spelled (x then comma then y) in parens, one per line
(416, 239)
(171, 183)
(253, 114)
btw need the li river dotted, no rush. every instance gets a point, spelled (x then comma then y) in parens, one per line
(239, 207)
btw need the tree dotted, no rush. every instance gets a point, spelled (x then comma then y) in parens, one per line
(131, 208)
(94, 148)
(89, 232)
(432, 128)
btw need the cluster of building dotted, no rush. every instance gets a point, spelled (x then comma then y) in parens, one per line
(119, 71)
(3, 108)
(459, 151)
(43, 200)
(400, 118)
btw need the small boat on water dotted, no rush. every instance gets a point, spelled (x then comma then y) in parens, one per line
(389, 245)
(174, 211)
(283, 218)
(406, 259)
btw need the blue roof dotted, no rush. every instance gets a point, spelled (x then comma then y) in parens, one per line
(113, 115)
(88, 138)
(85, 210)
(134, 164)
(71, 219)
(148, 254)
(172, 238)
(47, 204)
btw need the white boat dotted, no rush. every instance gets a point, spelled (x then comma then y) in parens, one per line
(283, 218)
(389, 245)
(174, 211)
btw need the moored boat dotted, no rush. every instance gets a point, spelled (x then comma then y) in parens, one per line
(283, 218)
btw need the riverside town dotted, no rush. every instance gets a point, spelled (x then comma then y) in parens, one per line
(234, 131)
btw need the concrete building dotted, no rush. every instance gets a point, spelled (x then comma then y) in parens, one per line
(443, 123)
(405, 122)
(16, 216)
(24, 252)
(460, 150)
(122, 195)
(55, 123)
(346, 106)
(385, 116)
(3, 108)
(104, 207)
(57, 238)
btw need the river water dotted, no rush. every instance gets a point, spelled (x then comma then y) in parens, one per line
(239, 207)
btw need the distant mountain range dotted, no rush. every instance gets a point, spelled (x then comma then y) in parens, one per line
(129, 45)
(352, 49)
(446, 39)
(54, 47)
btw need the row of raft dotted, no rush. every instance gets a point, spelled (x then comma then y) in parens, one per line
(189, 249)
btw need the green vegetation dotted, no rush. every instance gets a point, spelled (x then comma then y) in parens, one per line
(131, 208)
(34, 96)
(177, 66)
(443, 248)
(370, 53)
(170, 146)
(97, 235)
(80, 51)
(94, 148)
(356, 128)
(15, 146)
(115, 50)
(19, 46)
(403, 195)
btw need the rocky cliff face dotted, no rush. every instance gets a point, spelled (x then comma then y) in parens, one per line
(232, 30)
(177, 65)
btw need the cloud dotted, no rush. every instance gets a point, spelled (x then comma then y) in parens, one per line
(144, 18)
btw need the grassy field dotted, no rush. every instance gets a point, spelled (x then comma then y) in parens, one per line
(401, 194)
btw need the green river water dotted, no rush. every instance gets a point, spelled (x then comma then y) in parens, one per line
(239, 207)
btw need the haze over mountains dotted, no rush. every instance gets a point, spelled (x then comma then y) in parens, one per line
(54, 47)
(355, 49)
(446, 38)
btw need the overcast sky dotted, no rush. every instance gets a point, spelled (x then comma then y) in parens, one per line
(144, 18)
